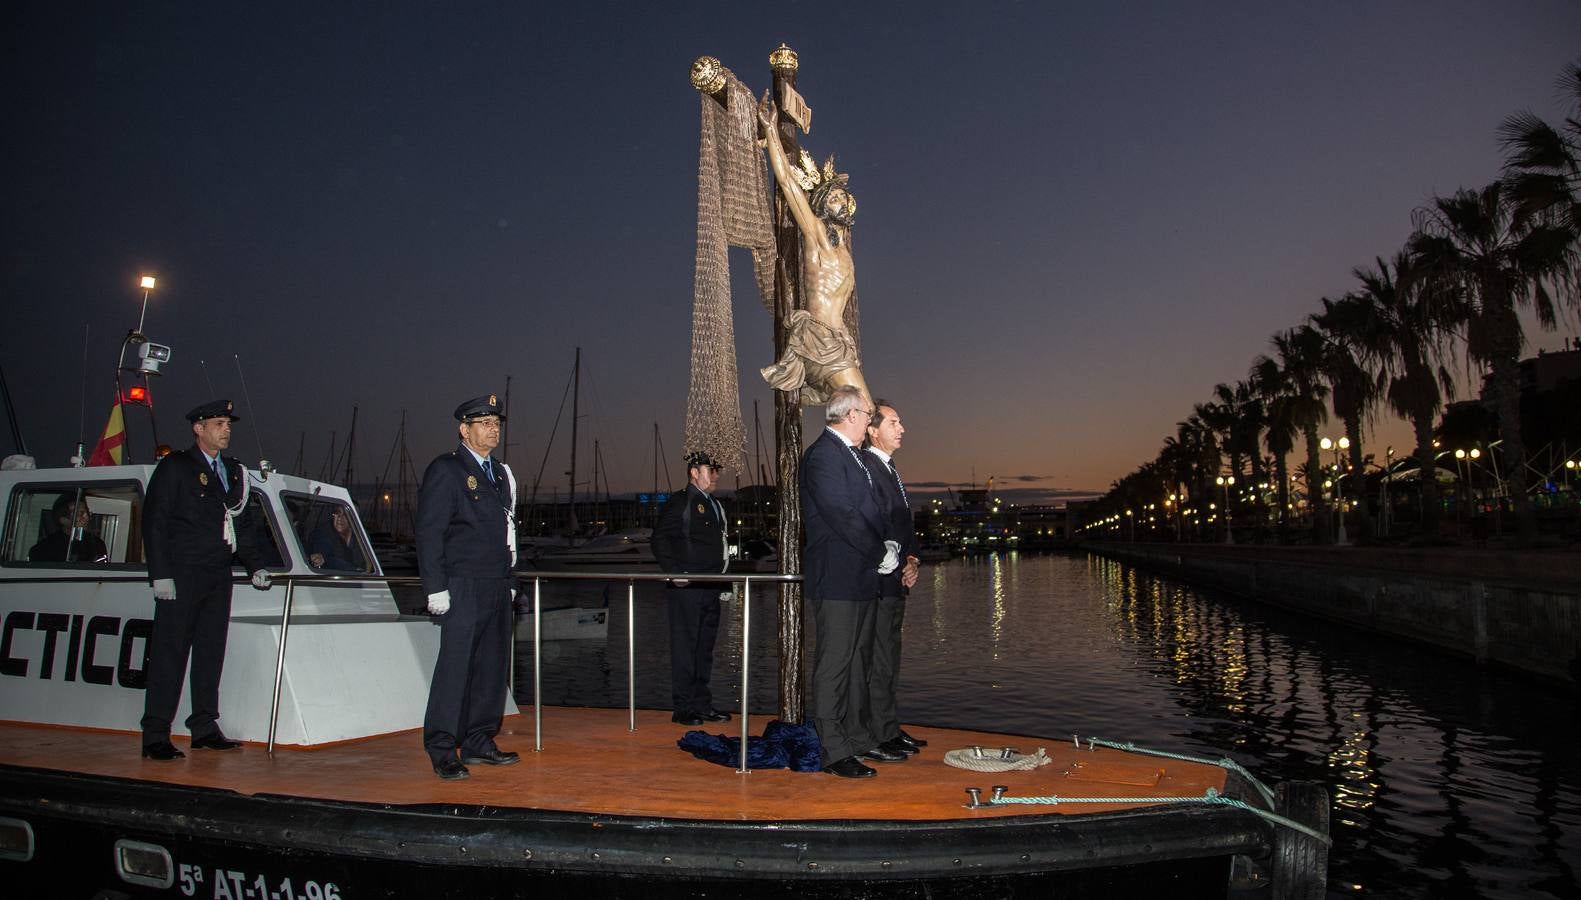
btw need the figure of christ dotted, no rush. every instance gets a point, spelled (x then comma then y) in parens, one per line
(820, 354)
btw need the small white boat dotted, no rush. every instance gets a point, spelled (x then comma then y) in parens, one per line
(622, 551)
(564, 623)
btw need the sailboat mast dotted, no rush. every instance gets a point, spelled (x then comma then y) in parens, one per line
(576, 397)
(505, 426)
(351, 443)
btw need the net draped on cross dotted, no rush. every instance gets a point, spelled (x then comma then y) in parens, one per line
(732, 210)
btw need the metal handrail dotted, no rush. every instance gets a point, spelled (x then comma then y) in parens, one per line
(631, 579)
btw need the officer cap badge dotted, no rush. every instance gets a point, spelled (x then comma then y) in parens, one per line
(478, 407)
(214, 409)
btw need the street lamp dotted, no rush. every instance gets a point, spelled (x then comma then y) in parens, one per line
(1225, 481)
(1339, 486)
(1388, 473)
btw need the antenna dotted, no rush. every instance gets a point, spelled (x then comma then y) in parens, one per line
(257, 426)
(82, 406)
(212, 392)
(10, 411)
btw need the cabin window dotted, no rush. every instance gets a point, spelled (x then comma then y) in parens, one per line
(329, 532)
(255, 529)
(87, 524)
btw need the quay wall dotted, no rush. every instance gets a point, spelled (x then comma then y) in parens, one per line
(1520, 610)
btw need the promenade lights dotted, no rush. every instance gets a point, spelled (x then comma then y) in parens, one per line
(1226, 481)
(1339, 494)
(1388, 473)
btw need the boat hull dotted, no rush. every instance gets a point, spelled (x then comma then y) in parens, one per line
(606, 809)
(274, 847)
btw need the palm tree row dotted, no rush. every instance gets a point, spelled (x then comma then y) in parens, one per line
(1472, 264)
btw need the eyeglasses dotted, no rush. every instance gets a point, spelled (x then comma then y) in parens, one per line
(865, 412)
(485, 423)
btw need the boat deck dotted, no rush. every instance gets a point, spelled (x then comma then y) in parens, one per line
(591, 763)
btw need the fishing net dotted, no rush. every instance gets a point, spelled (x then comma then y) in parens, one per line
(732, 210)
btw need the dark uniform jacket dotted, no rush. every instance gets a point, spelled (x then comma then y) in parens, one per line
(86, 548)
(901, 529)
(689, 536)
(184, 516)
(461, 527)
(845, 527)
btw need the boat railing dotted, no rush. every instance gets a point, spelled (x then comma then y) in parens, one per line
(537, 579)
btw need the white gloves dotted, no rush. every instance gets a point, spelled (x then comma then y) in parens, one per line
(262, 579)
(439, 604)
(164, 589)
(891, 558)
(680, 582)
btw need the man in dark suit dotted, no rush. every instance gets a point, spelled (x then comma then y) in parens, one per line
(189, 538)
(884, 434)
(690, 538)
(846, 533)
(465, 550)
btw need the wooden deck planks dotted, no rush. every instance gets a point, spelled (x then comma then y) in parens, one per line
(591, 763)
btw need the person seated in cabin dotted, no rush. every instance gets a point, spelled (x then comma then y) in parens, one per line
(71, 540)
(334, 545)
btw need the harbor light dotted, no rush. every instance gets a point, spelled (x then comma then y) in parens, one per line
(147, 284)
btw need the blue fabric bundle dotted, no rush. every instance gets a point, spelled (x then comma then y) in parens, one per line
(782, 746)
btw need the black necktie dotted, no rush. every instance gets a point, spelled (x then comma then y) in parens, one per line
(488, 469)
(901, 484)
(219, 472)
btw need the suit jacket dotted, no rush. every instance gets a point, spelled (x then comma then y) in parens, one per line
(184, 515)
(697, 546)
(897, 516)
(845, 527)
(461, 521)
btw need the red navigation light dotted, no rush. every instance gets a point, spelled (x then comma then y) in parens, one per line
(137, 394)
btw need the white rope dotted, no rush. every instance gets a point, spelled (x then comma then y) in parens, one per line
(995, 759)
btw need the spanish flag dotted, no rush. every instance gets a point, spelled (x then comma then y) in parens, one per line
(108, 451)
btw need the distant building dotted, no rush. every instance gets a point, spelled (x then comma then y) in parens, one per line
(1539, 374)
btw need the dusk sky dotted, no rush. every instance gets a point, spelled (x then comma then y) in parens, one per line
(1074, 219)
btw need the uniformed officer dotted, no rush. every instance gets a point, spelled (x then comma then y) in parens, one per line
(465, 549)
(189, 538)
(690, 538)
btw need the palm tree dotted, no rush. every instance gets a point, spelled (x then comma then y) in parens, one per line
(1478, 255)
(1409, 332)
(1280, 428)
(1542, 164)
(1348, 329)
(1299, 405)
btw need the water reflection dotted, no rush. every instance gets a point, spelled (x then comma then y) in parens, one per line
(1447, 780)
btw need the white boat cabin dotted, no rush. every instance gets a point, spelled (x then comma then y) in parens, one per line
(77, 609)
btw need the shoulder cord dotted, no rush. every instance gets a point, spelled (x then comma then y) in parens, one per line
(230, 512)
(510, 512)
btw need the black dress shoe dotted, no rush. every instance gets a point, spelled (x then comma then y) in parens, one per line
(162, 751)
(883, 754)
(850, 767)
(495, 757)
(451, 769)
(896, 745)
(714, 715)
(215, 741)
(686, 718)
(917, 742)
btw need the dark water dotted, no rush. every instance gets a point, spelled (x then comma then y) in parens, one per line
(1448, 781)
